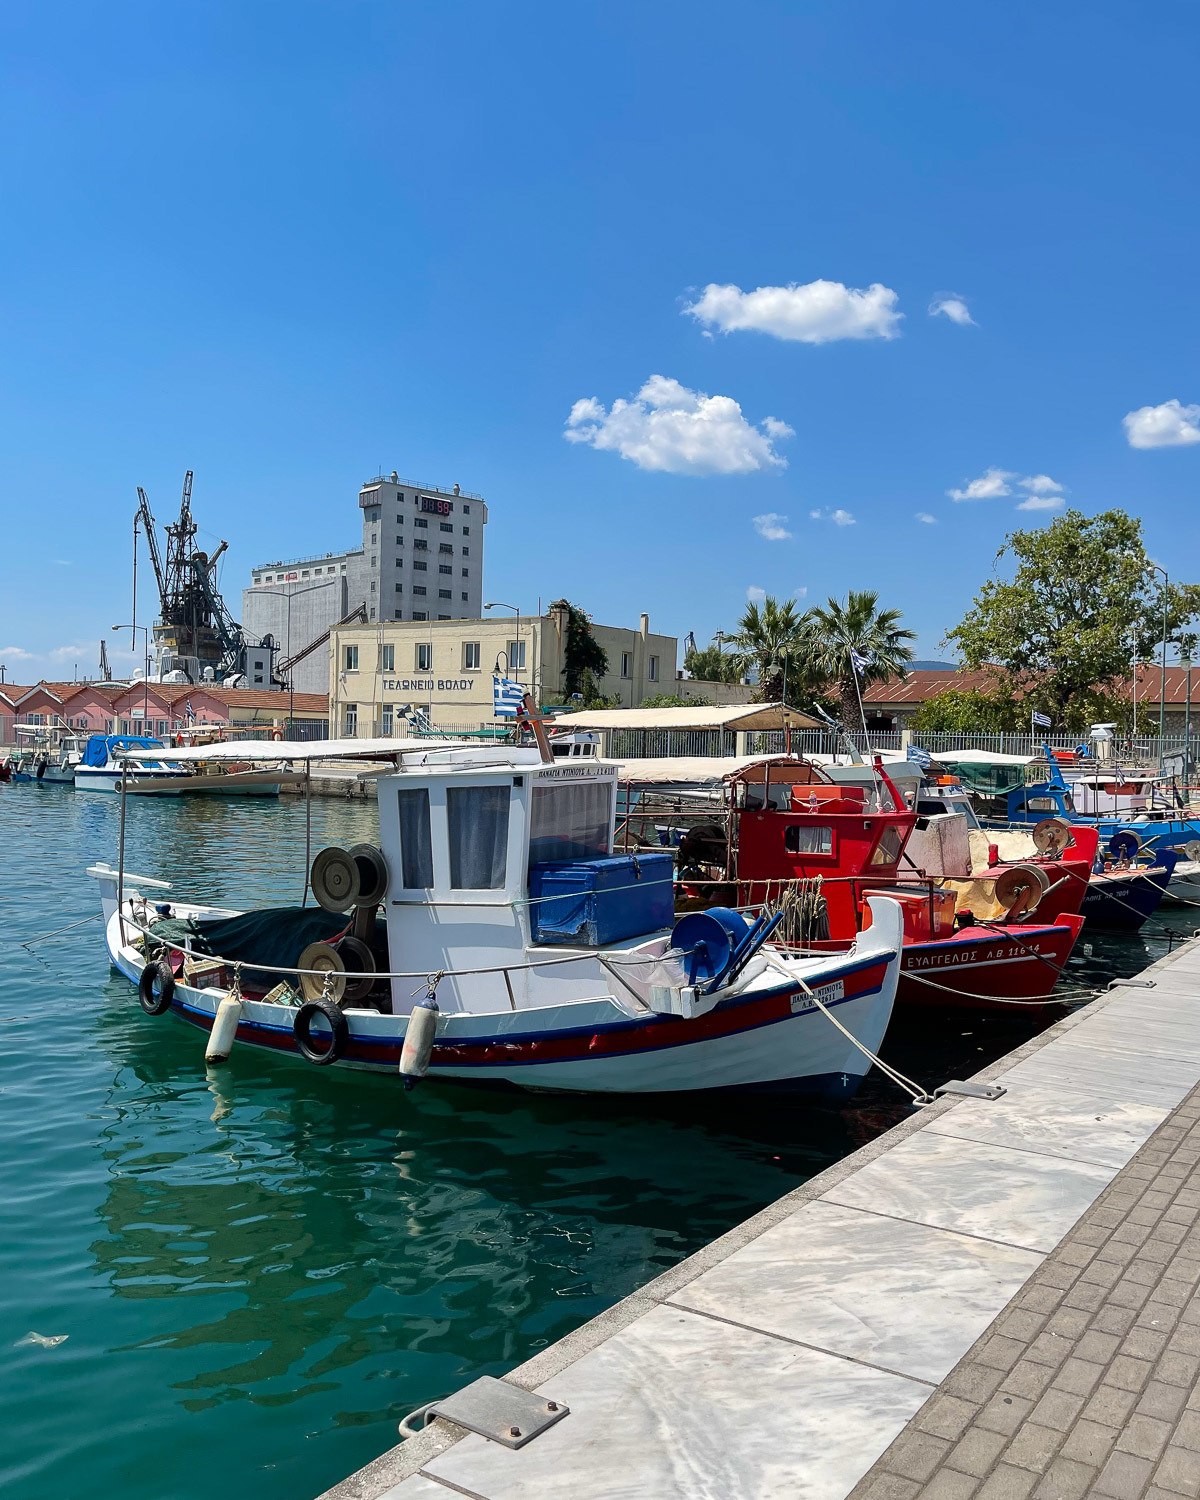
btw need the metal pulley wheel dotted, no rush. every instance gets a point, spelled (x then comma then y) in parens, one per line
(330, 970)
(335, 879)
(1051, 836)
(358, 959)
(372, 873)
(1124, 844)
(1020, 888)
(1191, 850)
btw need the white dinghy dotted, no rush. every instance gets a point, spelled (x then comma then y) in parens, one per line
(494, 938)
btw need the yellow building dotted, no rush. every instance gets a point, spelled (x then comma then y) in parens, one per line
(385, 671)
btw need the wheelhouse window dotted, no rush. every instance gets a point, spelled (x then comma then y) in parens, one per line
(887, 851)
(416, 843)
(801, 838)
(570, 821)
(477, 827)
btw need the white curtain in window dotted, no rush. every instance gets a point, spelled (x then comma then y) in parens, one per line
(477, 824)
(416, 846)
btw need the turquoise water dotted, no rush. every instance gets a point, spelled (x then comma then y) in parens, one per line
(240, 1279)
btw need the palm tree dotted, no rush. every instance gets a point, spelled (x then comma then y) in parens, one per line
(770, 641)
(857, 628)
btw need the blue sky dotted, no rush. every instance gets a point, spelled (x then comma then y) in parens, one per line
(291, 245)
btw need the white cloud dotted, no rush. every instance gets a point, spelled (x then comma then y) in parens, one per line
(815, 313)
(838, 517)
(951, 305)
(772, 527)
(1042, 502)
(670, 428)
(16, 653)
(993, 485)
(1041, 484)
(926, 518)
(800, 593)
(1171, 425)
(755, 595)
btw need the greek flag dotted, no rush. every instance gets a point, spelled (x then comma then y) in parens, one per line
(189, 710)
(1040, 720)
(507, 697)
(919, 757)
(858, 661)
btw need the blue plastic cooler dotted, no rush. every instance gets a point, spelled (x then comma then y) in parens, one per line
(593, 902)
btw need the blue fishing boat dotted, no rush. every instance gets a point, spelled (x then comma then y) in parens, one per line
(1154, 827)
(1124, 899)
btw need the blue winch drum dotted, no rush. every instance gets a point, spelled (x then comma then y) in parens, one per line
(706, 939)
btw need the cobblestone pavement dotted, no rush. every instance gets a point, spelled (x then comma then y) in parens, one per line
(1087, 1382)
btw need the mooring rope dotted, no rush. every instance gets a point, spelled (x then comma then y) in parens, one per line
(918, 1095)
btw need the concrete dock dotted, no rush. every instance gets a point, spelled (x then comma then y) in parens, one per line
(994, 1299)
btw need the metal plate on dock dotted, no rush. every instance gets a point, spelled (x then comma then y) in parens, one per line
(499, 1411)
(957, 1089)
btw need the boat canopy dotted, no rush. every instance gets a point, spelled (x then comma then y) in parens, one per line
(737, 716)
(101, 748)
(982, 758)
(690, 770)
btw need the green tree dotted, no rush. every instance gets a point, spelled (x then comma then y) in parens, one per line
(767, 636)
(840, 631)
(1084, 602)
(584, 659)
(673, 700)
(711, 664)
(970, 709)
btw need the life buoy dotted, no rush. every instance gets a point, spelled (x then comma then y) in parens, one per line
(155, 1002)
(302, 1031)
(277, 734)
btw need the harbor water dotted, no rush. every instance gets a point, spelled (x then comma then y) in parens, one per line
(237, 1280)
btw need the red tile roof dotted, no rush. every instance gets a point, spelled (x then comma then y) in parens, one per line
(917, 687)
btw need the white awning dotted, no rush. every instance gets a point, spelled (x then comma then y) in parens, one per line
(981, 758)
(693, 770)
(276, 751)
(737, 716)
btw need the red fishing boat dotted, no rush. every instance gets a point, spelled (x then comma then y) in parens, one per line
(777, 832)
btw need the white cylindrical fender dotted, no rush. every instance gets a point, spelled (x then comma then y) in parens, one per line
(220, 1038)
(418, 1041)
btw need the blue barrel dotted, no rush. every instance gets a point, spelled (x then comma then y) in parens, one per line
(707, 939)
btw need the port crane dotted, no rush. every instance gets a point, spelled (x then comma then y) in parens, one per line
(194, 622)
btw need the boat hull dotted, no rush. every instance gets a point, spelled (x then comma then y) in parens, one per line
(765, 1041)
(1124, 900)
(988, 968)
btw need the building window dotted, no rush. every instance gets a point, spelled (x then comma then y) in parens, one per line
(470, 656)
(466, 531)
(443, 593)
(515, 651)
(446, 547)
(652, 669)
(443, 617)
(350, 719)
(372, 585)
(399, 541)
(399, 588)
(421, 522)
(466, 510)
(419, 588)
(420, 545)
(374, 542)
(351, 659)
(419, 614)
(464, 598)
(387, 658)
(446, 526)
(446, 569)
(385, 719)
(466, 573)
(626, 663)
(466, 551)
(304, 573)
(399, 615)
(420, 567)
(423, 656)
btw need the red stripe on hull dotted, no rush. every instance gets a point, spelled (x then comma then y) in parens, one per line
(979, 969)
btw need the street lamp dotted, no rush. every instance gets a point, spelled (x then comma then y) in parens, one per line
(145, 629)
(1162, 683)
(516, 627)
(289, 595)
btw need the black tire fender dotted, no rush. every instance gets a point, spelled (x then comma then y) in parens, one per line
(302, 1032)
(156, 1002)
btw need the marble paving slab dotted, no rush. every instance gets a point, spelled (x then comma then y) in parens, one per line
(900, 1296)
(1111, 1073)
(417, 1487)
(1057, 1120)
(677, 1406)
(1017, 1197)
(1151, 1037)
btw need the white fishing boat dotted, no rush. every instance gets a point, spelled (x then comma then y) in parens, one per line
(108, 761)
(47, 754)
(495, 938)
